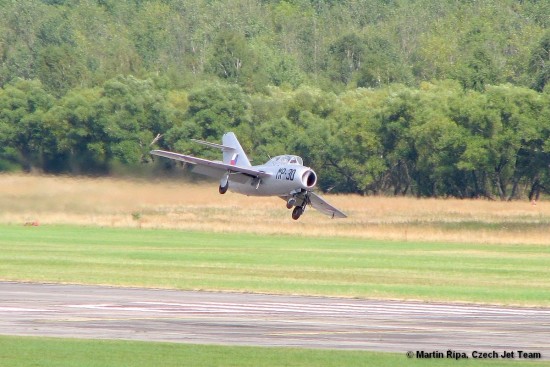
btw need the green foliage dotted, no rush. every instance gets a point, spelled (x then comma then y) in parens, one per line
(539, 63)
(254, 43)
(383, 65)
(60, 69)
(347, 55)
(235, 61)
(86, 86)
(26, 137)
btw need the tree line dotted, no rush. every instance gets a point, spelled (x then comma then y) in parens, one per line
(435, 140)
(426, 98)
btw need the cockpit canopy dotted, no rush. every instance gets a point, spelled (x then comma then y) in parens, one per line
(285, 159)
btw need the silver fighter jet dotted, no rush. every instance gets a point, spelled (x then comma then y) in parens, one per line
(284, 176)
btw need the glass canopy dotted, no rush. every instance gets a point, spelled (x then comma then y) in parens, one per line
(285, 159)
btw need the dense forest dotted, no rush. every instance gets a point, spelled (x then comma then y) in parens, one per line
(404, 97)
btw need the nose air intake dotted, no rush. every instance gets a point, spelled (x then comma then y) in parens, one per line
(309, 179)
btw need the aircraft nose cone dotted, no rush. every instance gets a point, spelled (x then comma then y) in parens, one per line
(309, 178)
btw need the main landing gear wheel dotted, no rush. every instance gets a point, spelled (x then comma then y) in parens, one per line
(297, 212)
(223, 189)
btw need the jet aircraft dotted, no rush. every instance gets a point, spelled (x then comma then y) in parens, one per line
(284, 176)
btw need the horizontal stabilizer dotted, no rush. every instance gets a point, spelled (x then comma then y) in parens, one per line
(224, 148)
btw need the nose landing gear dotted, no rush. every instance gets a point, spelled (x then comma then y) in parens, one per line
(297, 212)
(298, 200)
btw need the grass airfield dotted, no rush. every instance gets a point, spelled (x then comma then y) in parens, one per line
(345, 267)
(53, 352)
(185, 236)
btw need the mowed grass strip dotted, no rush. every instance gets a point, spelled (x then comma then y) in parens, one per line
(53, 352)
(498, 274)
(32, 351)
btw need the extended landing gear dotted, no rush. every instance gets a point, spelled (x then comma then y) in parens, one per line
(290, 203)
(297, 212)
(224, 185)
(223, 189)
(299, 201)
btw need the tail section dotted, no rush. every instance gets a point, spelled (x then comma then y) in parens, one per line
(236, 155)
(233, 153)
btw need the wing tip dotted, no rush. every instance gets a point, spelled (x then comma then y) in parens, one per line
(338, 215)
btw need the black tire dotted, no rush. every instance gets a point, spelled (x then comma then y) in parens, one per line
(223, 189)
(297, 212)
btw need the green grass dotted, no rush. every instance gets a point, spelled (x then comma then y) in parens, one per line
(500, 274)
(53, 352)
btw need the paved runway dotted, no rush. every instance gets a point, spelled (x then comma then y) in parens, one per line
(268, 320)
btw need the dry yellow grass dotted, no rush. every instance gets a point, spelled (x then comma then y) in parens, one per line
(182, 205)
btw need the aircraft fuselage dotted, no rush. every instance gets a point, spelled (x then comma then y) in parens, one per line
(283, 180)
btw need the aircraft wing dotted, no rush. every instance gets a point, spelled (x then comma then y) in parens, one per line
(210, 168)
(321, 205)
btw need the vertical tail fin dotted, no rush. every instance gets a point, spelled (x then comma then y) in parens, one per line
(235, 156)
(233, 153)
